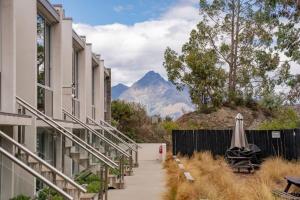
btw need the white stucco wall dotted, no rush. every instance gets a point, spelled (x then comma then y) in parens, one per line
(150, 151)
(56, 65)
(67, 48)
(8, 55)
(88, 81)
(26, 54)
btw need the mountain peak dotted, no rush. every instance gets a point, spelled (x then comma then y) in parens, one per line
(150, 78)
(158, 95)
(121, 85)
(117, 90)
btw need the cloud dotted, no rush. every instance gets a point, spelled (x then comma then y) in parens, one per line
(121, 8)
(132, 50)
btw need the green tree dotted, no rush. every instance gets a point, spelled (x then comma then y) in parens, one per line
(248, 38)
(196, 68)
(129, 117)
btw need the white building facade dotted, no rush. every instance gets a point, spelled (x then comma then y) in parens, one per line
(47, 65)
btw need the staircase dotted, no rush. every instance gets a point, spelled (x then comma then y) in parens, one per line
(40, 169)
(121, 154)
(121, 135)
(72, 145)
(119, 141)
(68, 134)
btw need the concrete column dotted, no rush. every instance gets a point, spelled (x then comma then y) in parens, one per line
(56, 65)
(85, 63)
(26, 78)
(88, 78)
(67, 49)
(8, 55)
(98, 95)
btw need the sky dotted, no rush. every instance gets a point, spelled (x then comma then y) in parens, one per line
(132, 35)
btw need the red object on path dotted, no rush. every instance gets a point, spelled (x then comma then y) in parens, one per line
(160, 149)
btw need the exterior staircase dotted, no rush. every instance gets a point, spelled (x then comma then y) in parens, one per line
(117, 182)
(113, 130)
(74, 147)
(42, 170)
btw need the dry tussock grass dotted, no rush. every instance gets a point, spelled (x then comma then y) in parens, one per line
(215, 180)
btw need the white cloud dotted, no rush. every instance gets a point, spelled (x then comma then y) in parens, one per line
(132, 50)
(120, 8)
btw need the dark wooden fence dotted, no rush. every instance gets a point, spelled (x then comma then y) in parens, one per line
(285, 144)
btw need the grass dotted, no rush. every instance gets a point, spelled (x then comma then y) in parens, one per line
(215, 180)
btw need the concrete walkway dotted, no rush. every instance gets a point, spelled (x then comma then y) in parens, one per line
(147, 183)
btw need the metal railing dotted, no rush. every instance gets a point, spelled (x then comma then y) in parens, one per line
(35, 174)
(3, 135)
(96, 133)
(120, 133)
(111, 133)
(68, 134)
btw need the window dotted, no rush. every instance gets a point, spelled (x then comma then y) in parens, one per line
(75, 85)
(44, 91)
(93, 85)
(43, 51)
(75, 74)
(93, 93)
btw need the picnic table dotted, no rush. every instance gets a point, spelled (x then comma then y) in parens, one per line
(291, 181)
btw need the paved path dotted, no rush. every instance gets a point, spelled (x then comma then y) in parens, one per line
(147, 183)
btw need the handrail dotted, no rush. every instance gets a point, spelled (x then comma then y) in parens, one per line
(68, 134)
(96, 133)
(111, 133)
(115, 129)
(35, 174)
(42, 161)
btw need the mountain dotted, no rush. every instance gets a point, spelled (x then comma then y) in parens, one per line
(118, 90)
(160, 97)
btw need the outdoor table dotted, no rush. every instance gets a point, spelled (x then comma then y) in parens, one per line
(291, 181)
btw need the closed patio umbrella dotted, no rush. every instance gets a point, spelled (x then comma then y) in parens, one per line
(239, 139)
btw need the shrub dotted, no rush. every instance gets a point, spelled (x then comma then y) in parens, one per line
(93, 187)
(283, 118)
(48, 193)
(21, 197)
(91, 180)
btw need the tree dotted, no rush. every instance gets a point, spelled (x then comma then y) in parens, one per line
(247, 37)
(129, 117)
(197, 70)
(294, 94)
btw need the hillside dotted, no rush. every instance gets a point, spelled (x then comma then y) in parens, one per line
(224, 118)
(160, 97)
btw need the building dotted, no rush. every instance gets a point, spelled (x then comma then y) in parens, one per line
(54, 101)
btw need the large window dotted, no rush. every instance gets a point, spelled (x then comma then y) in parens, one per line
(93, 93)
(75, 85)
(44, 91)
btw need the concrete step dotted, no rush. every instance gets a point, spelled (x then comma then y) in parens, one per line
(89, 196)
